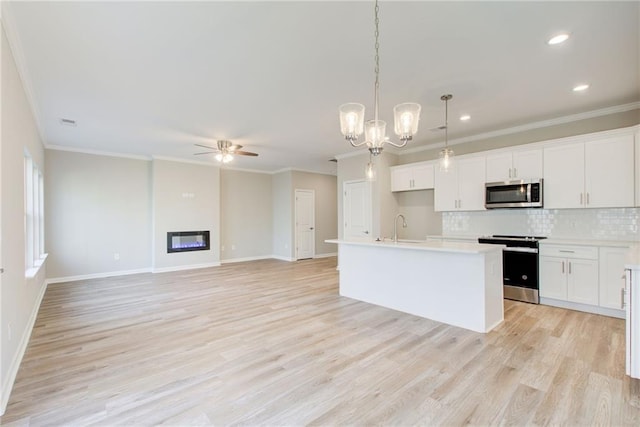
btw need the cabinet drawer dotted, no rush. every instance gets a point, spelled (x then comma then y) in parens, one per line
(582, 252)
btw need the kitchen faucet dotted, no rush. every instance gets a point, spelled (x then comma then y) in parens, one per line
(395, 226)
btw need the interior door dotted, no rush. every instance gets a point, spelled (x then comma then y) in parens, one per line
(357, 210)
(305, 224)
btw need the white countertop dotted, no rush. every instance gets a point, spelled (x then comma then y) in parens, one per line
(589, 242)
(451, 247)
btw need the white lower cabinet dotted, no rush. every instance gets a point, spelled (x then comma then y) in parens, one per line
(569, 273)
(612, 277)
(590, 276)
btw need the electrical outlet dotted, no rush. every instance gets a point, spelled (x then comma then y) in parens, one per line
(233, 247)
(116, 256)
(222, 248)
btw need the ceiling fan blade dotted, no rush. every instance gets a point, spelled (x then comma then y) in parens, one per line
(205, 146)
(234, 147)
(245, 153)
(205, 152)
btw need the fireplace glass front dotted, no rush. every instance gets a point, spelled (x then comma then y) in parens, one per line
(185, 241)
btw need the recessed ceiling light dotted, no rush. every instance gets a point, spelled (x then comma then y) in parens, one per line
(558, 39)
(465, 117)
(581, 88)
(68, 122)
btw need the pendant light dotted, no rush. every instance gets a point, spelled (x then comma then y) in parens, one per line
(352, 124)
(370, 170)
(446, 154)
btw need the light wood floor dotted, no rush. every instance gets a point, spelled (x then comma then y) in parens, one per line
(271, 342)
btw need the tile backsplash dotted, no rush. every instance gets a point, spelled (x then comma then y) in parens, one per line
(599, 224)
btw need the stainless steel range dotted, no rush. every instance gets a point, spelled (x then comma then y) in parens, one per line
(520, 266)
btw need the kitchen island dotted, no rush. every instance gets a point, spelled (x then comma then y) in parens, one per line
(455, 283)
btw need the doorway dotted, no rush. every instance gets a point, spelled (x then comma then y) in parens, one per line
(305, 224)
(357, 210)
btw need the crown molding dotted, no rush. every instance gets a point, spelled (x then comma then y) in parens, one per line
(96, 152)
(530, 126)
(302, 170)
(180, 160)
(15, 45)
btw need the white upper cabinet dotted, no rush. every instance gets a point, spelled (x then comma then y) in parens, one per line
(415, 176)
(637, 137)
(461, 188)
(594, 174)
(512, 165)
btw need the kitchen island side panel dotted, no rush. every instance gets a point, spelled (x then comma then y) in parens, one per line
(460, 289)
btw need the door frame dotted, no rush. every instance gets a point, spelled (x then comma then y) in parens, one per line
(295, 220)
(368, 184)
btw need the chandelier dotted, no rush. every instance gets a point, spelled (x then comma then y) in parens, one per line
(352, 124)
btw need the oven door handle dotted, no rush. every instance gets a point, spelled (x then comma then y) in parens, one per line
(527, 250)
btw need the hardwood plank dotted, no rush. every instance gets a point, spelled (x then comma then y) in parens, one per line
(272, 343)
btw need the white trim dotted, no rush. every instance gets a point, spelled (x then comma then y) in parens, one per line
(611, 312)
(292, 169)
(179, 160)
(96, 152)
(96, 275)
(7, 384)
(530, 126)
(231, 168)
(185, 267)
(15, 45)
(245, 259)
(282, 258)
(33, 272)
(327, 255)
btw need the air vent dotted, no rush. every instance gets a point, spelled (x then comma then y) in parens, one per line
(68, 122)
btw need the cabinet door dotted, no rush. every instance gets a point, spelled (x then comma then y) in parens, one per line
(527, 164)
(499, 167)
(423, 177)
(471, 175)
(612, 277)
(637, 138)
(401, 179)
(609, 172)
(582, 281)
(553, 278)
(445, 195)
(564, 176)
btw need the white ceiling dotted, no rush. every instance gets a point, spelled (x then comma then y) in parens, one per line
(153, 78)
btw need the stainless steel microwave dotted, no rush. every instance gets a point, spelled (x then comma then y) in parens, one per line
(514, 194)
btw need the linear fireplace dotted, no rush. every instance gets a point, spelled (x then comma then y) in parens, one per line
(185, 241)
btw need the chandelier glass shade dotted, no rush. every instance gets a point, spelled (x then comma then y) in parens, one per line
(353, 125)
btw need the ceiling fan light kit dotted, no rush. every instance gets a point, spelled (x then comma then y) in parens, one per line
(225, 151)
(352, 124)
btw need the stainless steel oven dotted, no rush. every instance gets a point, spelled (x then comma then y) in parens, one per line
(520, 266)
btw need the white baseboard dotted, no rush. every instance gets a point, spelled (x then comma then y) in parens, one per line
(282, 258)
(326, 255)
(611, 312)
(7, 384)
(185, 267)
(252, 258)
(97, 275)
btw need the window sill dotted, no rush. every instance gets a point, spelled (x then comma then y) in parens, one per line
(32, 272)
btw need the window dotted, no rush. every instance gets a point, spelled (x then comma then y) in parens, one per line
(33, 215)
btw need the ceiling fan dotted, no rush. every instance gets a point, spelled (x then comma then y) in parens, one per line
(225, 151)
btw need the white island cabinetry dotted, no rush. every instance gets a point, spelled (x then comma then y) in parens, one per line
(425, 279)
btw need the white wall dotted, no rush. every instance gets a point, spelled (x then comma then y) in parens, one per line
(19, 297)
(326, 198)
(246, 215)
(186, 197)
(418, 209)
(383, 202)
(97, 207)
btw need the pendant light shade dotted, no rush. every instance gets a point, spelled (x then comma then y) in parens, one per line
(446, 154)
(352, 124)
